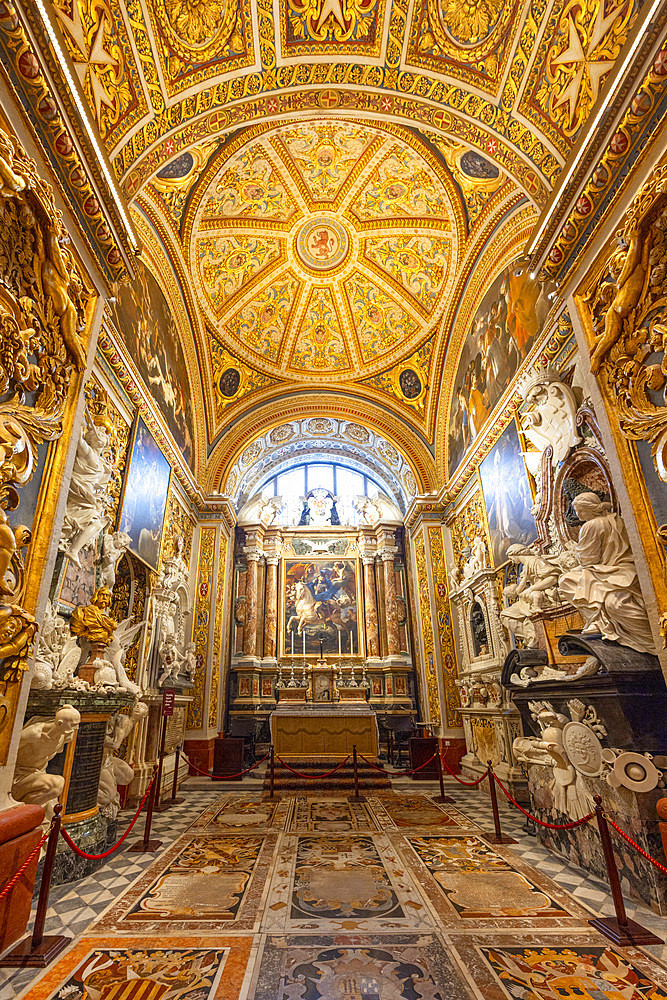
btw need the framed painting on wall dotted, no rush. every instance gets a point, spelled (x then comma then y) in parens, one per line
(320, 597)
(144, 499)
(507, 495)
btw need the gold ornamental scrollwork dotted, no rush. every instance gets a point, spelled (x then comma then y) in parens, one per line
(626, 312)
(44, 310)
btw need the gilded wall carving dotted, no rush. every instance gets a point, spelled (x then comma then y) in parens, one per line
(218, 625)
(443, 620)
(428, 644)
(469, 523)
(44, 314)
(177, 522)
(201, 624)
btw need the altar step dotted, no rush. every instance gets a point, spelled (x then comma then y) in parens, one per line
(340, 783)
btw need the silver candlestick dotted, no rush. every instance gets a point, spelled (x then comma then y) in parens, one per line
(279, 681)
(292, 678)
(353, 679)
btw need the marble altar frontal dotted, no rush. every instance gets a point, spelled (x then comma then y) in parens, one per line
(324, 730)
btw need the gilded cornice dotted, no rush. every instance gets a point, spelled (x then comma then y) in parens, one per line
(33, 71)
(599, 168)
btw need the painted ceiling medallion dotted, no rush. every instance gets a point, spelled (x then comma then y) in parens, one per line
(322, 243)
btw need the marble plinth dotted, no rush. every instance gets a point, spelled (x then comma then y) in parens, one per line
(316, 730)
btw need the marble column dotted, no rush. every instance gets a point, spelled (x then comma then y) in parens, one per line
(371, 607)
(271, 608)
(391, 607)
(250, 630)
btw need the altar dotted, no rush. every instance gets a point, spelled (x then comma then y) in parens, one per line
(318, 730)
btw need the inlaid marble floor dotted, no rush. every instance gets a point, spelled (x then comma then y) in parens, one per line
(394, 897)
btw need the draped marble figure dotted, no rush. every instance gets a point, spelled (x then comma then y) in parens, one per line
(604, 587)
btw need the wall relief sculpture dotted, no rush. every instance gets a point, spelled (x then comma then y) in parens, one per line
(173, 657)
(571, 748)
(45, 310)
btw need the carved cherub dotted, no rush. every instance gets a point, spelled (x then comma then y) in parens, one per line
(629, 286)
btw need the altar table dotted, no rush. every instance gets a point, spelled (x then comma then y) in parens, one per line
(315, 730)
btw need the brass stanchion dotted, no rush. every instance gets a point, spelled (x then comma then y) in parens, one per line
(37, 951)
(355, 765)
(498, 837)
(174, 784)
(620, 929)
(272, 775)
(442, 797)
(146, 845)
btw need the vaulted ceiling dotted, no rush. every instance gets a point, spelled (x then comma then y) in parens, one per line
(324, 186)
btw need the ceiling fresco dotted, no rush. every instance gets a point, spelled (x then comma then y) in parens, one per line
(324, 249)
(323, 180)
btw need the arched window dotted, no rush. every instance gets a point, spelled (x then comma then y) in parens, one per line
(343, 482)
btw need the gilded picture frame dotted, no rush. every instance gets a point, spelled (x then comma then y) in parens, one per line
(336, 581)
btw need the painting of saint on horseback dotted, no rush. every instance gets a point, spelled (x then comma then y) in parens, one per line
(319, 605)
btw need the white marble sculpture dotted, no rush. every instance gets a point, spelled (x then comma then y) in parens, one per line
(531, 675)
(549, 417)
(39, 742)
(604, 586)
(85, 513)
(115, 771)
(476, 561)
(374, 509)
(570, 747)
(114, 545)
(262, 510)
(172, 607)
(536, 588)
(57, 655)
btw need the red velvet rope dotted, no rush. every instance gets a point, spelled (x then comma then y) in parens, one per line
(394, 774)
(326, 774)
(374, 766)
(210, 774)
(550, 826)
(14, 879)
(469, 784)
(98, 857)
(636, 846)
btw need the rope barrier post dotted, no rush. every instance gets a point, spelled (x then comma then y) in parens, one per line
(272, 773)
(620, 929)
(498, 837)
(168, 696)
(174, 784)
(39, 950)
(442, 797)
(147, 845)
(355, 765)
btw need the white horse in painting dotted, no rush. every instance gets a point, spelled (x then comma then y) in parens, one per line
(305, 609)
